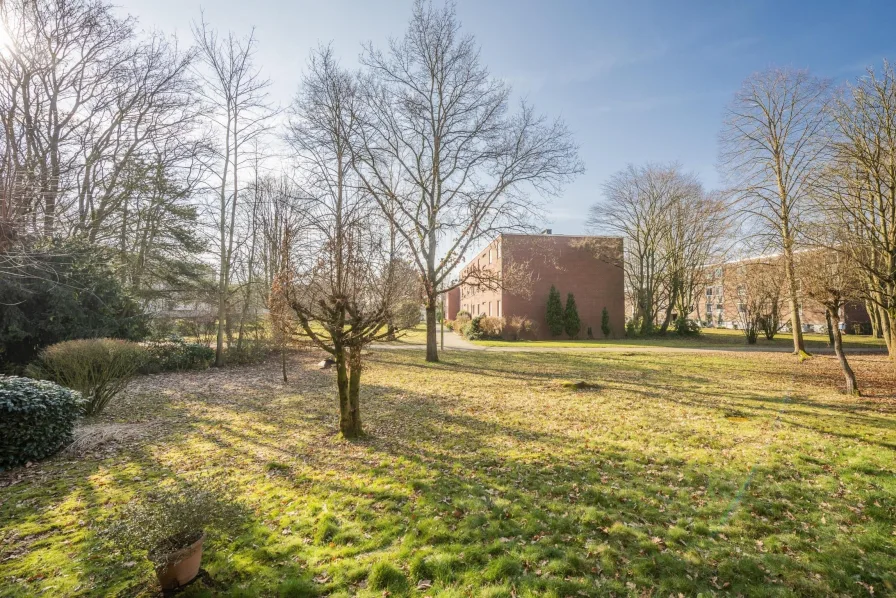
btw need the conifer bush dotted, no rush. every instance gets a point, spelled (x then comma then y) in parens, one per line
(571, 323)
(555, 312)
(605, 322)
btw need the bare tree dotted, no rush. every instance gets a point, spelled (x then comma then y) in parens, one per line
(438, 141)
(773, 149)
(859, 199)
(671, 229)
(697, 223)
(277, 212)
(93, 117)
(634, 207)
(341, 278)
(237, 106)
(60, 75)
(757, 286)
(828, 278)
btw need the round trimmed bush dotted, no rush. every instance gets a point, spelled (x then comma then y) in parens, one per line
(36, 419)
(98, 368)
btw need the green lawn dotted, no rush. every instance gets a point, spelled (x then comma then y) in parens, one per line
(708, 338)
(678, 474)
(416, 335)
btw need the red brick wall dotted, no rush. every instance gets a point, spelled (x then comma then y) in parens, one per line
(476, 299)
(812, 311)
(452, 303)
(588, 267)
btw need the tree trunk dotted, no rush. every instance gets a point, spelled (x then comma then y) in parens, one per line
(432, 346)
(851, 387)
(667, 318)
(874, 318)
(830, 323)
(799, 347)
(283, 363)
(219, 342)
(240, 326)
(342, 387)
(354, 393)
(889, 334)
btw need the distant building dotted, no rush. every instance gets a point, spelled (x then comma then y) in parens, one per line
(588, 267)
(719, 301)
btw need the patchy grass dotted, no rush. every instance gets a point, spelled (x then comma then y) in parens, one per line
(720, 474)
(710, 338)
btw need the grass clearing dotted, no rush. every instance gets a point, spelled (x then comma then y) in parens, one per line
(737, 473)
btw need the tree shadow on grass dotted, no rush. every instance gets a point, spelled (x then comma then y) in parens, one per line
(484, 489)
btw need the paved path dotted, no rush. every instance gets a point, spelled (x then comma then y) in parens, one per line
(452, 341)
(455, 342)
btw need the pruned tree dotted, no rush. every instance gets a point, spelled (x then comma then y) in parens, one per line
(439, 143)
(235, 97)
(342, 277)
(859, 196)
(773, 149)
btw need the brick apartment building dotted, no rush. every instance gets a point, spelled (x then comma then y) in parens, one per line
(588, 267)
(718, 303)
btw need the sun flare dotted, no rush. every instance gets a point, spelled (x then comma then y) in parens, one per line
(5, 41)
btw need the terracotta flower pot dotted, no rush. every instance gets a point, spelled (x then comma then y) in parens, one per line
(181, 566)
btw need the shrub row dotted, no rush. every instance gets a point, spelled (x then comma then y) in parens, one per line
(251, 351)
(174, 355)
(81, 377)
(487, 327)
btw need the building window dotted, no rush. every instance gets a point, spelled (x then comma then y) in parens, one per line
(718, 272)
(489, 309)
(709, 292)
(490, 259)
(709, 309)
(499, 308)
(499, 251)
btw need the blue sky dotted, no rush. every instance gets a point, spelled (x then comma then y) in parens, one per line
(635, 81)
